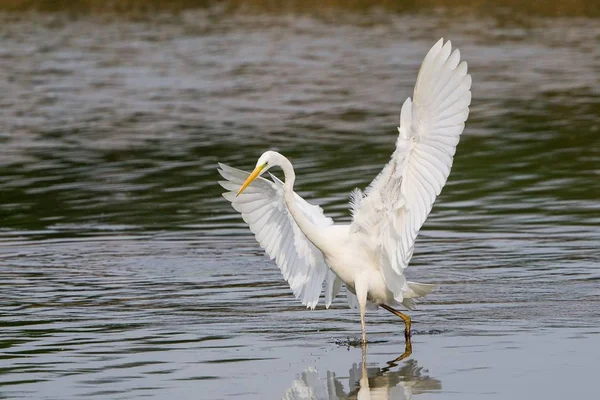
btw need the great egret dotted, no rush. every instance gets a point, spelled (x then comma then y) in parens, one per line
(370, 254)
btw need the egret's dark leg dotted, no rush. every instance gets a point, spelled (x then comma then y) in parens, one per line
(404, 317)
(407, 323)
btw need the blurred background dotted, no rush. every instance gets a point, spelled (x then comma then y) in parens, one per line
(123, 273)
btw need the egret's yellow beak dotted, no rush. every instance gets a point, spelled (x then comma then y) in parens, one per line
(252, 177)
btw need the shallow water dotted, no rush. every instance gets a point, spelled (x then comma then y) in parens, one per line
(123, 273)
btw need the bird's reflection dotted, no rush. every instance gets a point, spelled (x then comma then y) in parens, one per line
(365, 383)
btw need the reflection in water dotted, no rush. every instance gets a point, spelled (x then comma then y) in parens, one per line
(365, 383)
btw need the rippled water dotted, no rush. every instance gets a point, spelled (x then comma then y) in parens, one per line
(123, 273)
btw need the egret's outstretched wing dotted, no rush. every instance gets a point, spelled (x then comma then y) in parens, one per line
(399, 199)
(262, 206)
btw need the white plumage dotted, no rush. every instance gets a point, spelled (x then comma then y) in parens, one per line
(263, 208)
(369, 255)
(400, 198)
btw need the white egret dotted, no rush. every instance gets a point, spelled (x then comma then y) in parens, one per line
(370, 254)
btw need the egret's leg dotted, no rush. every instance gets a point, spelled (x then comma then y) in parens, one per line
(404, 317)
(361, 289)
(362, 323)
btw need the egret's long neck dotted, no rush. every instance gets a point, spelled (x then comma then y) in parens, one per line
(310, 230)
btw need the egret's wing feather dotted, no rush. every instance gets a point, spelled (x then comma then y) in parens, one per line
(400, 198)
(262, 206)
(352, 300)
(333, 284)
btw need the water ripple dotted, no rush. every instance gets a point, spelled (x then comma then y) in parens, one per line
(123, 273)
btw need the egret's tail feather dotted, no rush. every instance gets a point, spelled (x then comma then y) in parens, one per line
(416, 290)
(419, 289)
(410, 304)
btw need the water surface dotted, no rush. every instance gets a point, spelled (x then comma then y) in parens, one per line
(123, 273)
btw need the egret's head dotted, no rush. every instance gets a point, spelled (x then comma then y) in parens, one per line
(266, 161)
